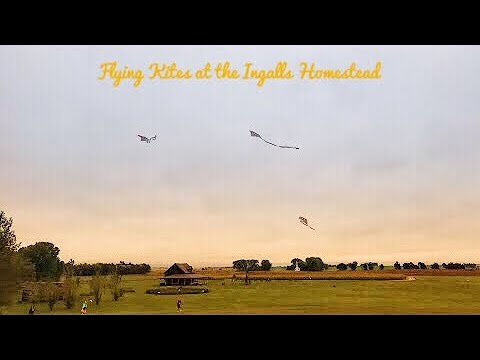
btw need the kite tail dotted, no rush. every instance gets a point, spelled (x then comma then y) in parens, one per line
(268, 142)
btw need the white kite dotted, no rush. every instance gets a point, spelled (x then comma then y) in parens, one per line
(254, 134)
(144, 138)
(305, 222)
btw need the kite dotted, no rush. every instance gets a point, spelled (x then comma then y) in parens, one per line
(253, 133)
(305, 222)
(144, 138)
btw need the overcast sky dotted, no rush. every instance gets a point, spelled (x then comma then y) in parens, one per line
(387, 169)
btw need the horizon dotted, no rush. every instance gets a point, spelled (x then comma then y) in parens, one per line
(387, 169)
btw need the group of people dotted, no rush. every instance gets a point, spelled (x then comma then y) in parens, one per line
(31, 311)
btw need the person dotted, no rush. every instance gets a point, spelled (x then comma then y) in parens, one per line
(84, 308)
(179, 305)
(31, 311)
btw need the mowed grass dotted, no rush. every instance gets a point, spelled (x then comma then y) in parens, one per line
(426, 295)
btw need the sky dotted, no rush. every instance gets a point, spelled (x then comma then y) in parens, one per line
(387, 169)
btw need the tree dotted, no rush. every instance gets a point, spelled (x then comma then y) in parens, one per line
(70, 288)
(342, 267)
(52, 295)
(12, 266)
(353, 265)
(371, 265)
(69, 268)
(8, 279)
(435, 266)
(245, 265)
(313, 264)
(265, 265)
(295, 262)
(8, 240)
(364, 266)
(381, 267)
(97, 285)
(44, 257)
(114, 284)
(453, 266)
(422, 265)
(397, 266)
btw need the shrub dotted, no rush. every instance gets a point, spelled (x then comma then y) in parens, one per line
(97, 285)
(114, 284)
(70, 288)
(52, 295)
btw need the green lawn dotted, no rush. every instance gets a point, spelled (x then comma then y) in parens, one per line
(442, 294)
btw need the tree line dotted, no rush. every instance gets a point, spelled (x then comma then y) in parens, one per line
(317, 264)
(41, 262)
(435, 266)
(107, 269)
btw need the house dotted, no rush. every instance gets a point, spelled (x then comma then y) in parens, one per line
(181, 274)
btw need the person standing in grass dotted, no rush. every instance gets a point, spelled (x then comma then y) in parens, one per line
(31, 311)
(84, 308)
(179, 300)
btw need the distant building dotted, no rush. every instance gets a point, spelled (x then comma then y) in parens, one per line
(181, 274)
(296, 266)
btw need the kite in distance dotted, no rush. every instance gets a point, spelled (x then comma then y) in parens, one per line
(305, 222)
(144, 138)
(253, 133)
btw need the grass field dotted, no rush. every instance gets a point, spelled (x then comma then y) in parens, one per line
(426, 295)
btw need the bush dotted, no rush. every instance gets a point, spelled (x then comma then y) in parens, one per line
(172, 290)
(381, 267)
(397, 266)
(342, 267)
(114, 284)
(52, 295)
(70, 289)
(97, 285)
(435, 266)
